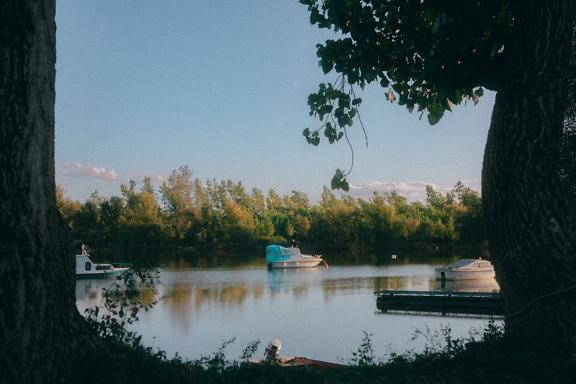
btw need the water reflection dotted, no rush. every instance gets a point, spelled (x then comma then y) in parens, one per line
(200, 307)
(292, 280)
(482, 285)
(89, 292)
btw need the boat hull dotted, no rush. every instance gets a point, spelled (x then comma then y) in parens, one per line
(295, 264)
(455, 275)
(102, 274)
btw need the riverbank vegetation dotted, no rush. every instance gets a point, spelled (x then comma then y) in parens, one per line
(500, 360)
(187, 212)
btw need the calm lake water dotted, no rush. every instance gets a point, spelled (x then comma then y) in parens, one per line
(316, 313)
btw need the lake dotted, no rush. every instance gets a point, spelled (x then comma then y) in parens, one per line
(319, 313)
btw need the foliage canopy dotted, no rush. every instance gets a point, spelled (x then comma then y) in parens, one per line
(430, 55)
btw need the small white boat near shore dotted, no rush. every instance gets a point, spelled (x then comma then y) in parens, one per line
(86, 268)
(466, 269)
(284, 257)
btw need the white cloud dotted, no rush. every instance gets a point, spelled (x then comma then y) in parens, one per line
(412, 191)
(87, 171)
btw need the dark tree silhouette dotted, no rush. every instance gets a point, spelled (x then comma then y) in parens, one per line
(40, 327)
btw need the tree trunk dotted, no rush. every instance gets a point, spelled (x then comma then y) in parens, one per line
(532, 238)
(39, 323)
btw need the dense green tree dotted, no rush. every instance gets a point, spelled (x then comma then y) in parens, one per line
(141, 218)
(435, 199)
(400, 203)
(202, 229)
(335, 224)
(66, 206)
(376, 225)
(147, 185)
(87, 222)
(176, 196)
(237, 225)
(431, 55)
(328, 199)
(468, 214)
(113, 218)
(264, 229)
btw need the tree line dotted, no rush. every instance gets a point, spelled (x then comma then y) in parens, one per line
(187, 212)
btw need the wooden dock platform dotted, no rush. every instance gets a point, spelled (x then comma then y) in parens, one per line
(477, 303)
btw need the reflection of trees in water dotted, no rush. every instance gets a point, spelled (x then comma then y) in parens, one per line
(90, 292)
(181, 296)
(353, 285)
(300, 291)
(179, 301)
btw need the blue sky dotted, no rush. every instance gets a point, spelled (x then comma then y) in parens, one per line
(145, 86)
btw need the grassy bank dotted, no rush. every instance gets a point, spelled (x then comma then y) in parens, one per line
(497, 358)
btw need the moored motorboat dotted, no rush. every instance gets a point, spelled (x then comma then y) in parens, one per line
(87, 268)
(284, 257)
(466, 269)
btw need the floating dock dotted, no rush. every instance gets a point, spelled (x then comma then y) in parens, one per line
(445, 303)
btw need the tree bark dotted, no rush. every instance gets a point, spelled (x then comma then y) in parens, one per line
(39, 323)
(532, 238)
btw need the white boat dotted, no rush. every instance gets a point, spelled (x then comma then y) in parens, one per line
(465, 269)
(87, 268)
(284, 257)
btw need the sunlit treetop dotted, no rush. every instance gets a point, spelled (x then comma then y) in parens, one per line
(427, 54)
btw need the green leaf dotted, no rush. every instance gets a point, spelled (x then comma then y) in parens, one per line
(344, 185)
(435, 113)
(327, 65)
(311, 137)
(339, 181)
(433, 119)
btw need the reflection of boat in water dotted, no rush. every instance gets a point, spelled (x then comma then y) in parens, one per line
(479, 285)
(87, 268)
(465, 269)
(292, 279)
(90, 292)
(91, 288)
(283, 257)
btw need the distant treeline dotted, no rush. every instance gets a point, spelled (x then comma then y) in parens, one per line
(186, 212)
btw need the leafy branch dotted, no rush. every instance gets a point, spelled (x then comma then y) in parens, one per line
(336, 107)
(121, 304)
(426, 54)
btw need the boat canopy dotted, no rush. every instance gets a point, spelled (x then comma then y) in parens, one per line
(276, 253)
